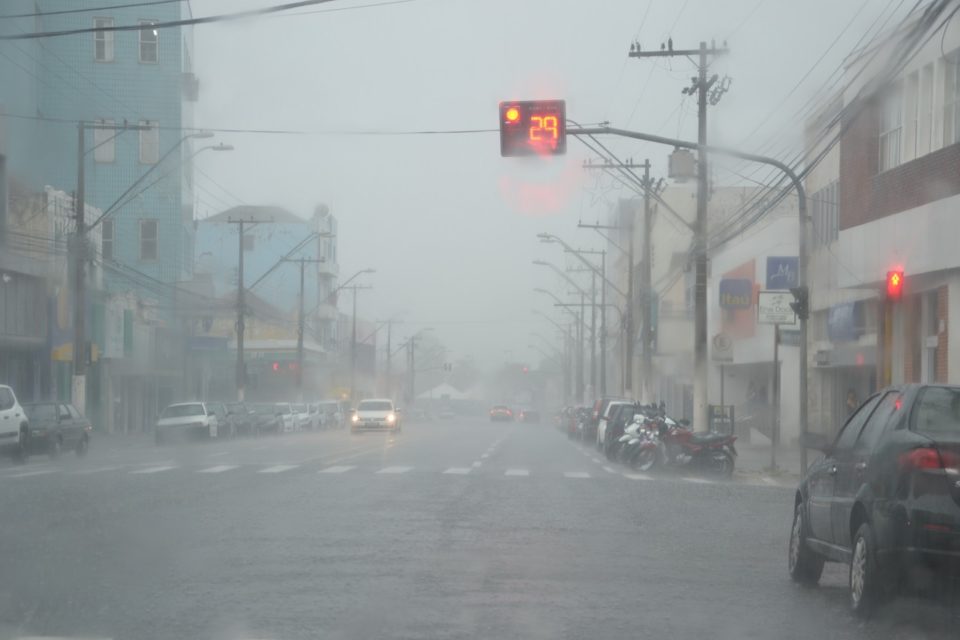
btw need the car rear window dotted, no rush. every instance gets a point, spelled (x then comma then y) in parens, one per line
(41, 411)
(375, 405)
(937, 412)
(182, 410)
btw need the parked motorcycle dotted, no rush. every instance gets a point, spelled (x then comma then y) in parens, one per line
(639, 445)
(681, 446)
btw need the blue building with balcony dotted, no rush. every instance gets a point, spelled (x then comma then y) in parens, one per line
(142, 177)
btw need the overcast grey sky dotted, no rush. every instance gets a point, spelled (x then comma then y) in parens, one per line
(449, 224)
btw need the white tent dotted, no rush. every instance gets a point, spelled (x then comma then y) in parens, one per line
(443, 391)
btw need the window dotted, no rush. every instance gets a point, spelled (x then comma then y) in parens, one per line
(824, 205)
(912, 113)
(852, 429)
(148, 239)
(104, 148)
(103, 40)
(951, 101)
(149, 42)
(106, 240)
(74, 413)
(937, 412)
(926, 111)
(183, 410)
(875, 425)
(149, 142)
(891, 127)
(6, 399)
(64, 412)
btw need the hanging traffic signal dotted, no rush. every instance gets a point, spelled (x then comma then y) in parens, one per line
(801, 302)
(276, 366)
(894, 285)
(533, 127)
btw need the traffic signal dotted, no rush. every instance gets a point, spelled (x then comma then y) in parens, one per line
(533, 127)
(801, 302)
(276, 366)
(526, 369)
(894, 285)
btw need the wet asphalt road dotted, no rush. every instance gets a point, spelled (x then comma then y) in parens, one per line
(456, 529)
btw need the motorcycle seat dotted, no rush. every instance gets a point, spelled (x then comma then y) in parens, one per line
(707, 438)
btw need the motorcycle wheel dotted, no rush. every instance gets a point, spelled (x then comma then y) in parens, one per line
(722, 464)
(645, 460)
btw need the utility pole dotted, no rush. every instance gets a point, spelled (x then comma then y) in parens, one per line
(603, 324)
(241, 307)
(300, 317)
(389, 355)
(79, 390)
(704, 89)
(353, 341)
(580, 348)
(593, 336)
(81, 352)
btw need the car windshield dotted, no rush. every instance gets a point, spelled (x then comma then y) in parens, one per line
(937, 412)
(470, 241)
(375, 405)
(41, 411)
(182, 410)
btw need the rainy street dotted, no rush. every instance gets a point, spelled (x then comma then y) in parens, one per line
(451, 529)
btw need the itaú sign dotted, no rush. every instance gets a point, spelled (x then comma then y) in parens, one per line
(736, 293)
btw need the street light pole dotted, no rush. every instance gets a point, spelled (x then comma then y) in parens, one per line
(301, 320)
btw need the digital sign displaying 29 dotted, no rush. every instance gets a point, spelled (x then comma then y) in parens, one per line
(533, 127)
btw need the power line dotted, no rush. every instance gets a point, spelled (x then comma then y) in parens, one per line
(61, 12)
(251, 13)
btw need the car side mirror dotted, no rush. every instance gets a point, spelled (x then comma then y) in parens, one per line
(817, 442)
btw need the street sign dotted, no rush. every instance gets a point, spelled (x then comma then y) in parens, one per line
(782, 272)
(722, 348)
(773, 307)
(721, 418)
(533, 127)
(736, 293)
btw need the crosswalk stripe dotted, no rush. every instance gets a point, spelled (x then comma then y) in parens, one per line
(28, 474)
(336, 469)
(700, 481)
(394, 469)
(576, 474)
(637, 476)
(280, 468)
(609, 469)
(458, 471)
(517, 472)
(152, 470)
(476, 464)
(220, 468)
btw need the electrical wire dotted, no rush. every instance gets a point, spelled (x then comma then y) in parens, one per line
(60, 12)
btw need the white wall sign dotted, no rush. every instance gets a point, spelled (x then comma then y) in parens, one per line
(773, 307)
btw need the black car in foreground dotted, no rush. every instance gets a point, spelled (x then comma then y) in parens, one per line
(885, 498)
(56, 427)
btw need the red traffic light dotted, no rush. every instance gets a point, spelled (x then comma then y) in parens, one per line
(533, 127)
(276, 366)
(526, 370)
(894, 284)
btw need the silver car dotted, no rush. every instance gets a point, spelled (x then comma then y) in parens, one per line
(187, 421)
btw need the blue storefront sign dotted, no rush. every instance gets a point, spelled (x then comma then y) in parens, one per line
(782, 272)
(736, 293)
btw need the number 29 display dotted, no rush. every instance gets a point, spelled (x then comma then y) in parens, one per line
(533, 127)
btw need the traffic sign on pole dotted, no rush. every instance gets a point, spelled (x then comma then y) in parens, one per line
(773, 307)
(533, 127)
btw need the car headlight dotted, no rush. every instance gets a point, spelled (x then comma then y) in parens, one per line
(391, 417)
(355, 418)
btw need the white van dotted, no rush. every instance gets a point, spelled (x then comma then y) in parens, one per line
(14, 430)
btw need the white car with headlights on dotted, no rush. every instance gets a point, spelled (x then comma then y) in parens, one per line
(377, 414)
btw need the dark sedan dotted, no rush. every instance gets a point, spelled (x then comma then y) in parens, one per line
(885, 498)
(57, 427)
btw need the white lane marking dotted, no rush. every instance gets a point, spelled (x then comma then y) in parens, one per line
(699, 480)
(609, 469)
(485, 456)
(637, 476)
(220, 468)
(153, 469)
(279, 468)
(394, 469)
(61, 638)
(576, 474)
(337, 469)
(476, 465)
(27, 474)
(767, 480)
(458, 471)
(517, 472)
(597, 460)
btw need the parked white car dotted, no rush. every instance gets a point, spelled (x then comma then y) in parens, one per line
(14, 430)
(613, 409)
(187, 421)
(289, 416)
(304, 419)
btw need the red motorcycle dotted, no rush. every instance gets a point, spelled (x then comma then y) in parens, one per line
(681, 446)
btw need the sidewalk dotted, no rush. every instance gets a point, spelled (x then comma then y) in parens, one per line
(754, 459)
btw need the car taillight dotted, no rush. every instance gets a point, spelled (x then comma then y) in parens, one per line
(923, 459)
